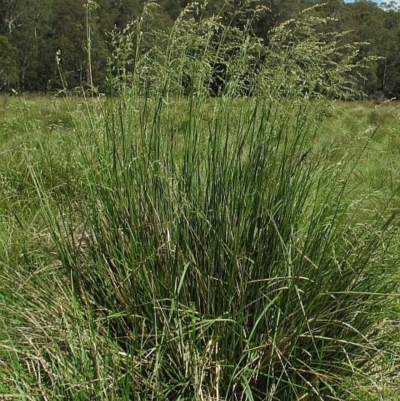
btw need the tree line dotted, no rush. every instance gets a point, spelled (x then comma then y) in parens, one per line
(48, 45)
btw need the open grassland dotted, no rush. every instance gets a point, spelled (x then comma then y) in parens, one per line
(160, 245)
(47, 132)
(204, 249)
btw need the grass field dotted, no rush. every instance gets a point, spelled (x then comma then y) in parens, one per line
(181, 250)
(157, 244)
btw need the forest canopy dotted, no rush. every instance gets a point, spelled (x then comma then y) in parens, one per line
(49, 45)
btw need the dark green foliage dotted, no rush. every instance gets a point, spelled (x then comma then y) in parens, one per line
(8, 64)
(36, 30)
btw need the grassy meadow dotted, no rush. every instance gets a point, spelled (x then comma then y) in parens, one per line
(159, 244)
(217, 255)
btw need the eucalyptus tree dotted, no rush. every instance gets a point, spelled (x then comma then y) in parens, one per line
(25, 23)
(8, 64)
(389, 48)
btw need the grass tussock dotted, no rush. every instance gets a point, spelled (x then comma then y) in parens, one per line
(177, 247)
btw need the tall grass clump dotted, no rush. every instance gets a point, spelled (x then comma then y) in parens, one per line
(214, 255)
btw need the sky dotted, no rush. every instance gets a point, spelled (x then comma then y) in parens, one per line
(375, 1)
